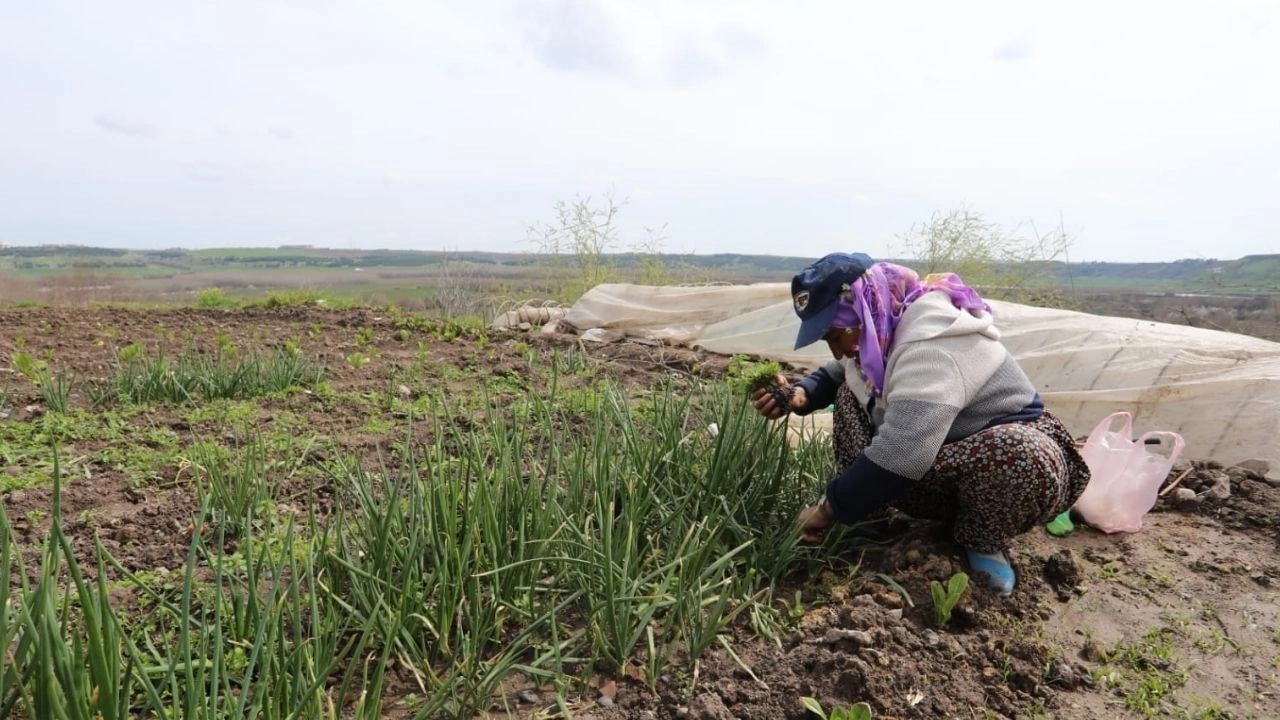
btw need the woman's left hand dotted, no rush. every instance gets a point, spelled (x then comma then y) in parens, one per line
(814, 520)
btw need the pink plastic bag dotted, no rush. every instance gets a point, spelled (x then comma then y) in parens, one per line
(1126, 474)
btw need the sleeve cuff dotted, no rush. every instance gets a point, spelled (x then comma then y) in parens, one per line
(863, 488)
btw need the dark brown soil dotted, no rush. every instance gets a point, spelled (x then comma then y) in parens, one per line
(1204, 568)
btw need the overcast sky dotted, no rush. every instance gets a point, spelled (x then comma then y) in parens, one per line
(1151, 129)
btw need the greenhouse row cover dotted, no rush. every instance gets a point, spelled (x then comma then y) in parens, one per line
(1219, 390)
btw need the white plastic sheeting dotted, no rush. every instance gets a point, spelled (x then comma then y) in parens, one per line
(1220, 391)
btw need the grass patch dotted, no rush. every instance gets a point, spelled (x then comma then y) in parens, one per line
(1144, 672)
(199, 376)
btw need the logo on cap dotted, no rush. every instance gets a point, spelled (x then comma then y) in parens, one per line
(802, 300)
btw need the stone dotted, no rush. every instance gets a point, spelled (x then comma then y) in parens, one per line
(1091, 651)
(1255, 465)
(1186, 497)
(889, 599)
(1221, 489)
(1065, 675)
(861, 638)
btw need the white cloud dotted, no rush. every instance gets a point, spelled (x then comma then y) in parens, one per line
(128, 128)
(637, 40)
(1014, 50)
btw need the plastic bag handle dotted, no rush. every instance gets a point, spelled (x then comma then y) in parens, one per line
(1174, 450)
(1105, 425)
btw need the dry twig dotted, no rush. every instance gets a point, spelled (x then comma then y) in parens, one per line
(1176, 481)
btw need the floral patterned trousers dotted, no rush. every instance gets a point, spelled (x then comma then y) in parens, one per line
(995, 484)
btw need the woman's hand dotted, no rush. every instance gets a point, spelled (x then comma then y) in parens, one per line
(814, 520)
(769, 408)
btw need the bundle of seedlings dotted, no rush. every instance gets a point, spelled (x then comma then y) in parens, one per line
(747, 376)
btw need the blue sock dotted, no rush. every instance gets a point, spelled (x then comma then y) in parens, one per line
(996, 568)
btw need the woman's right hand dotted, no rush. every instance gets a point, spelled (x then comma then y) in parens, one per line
(769, 408)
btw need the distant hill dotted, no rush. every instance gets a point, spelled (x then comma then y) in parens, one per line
(1249, 274)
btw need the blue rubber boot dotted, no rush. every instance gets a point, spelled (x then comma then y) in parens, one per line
(994, 571)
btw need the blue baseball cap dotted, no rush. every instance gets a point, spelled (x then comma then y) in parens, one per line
(815, 292)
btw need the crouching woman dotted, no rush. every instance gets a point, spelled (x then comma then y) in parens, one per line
(952, 430)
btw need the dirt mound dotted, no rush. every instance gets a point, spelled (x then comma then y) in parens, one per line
(1239, 497)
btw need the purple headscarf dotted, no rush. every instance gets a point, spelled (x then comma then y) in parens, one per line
(876, 302)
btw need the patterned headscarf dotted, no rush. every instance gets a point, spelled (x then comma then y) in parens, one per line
(876, 302)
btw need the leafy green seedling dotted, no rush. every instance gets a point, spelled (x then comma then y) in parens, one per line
(54, 387)
(945, 599)
(794, 611)
(746, 377)
(859, 711)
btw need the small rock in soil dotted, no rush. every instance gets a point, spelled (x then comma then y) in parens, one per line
(604, 701)
(1091, 652)
(889, 599)
(900, 635)
(1186, 497)
(1255, 465)
(861, 638)
(964, 616)
(1221, 489)
(1065, 675)
(528, 697)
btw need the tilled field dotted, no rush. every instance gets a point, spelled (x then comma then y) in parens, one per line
(1179, 620)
